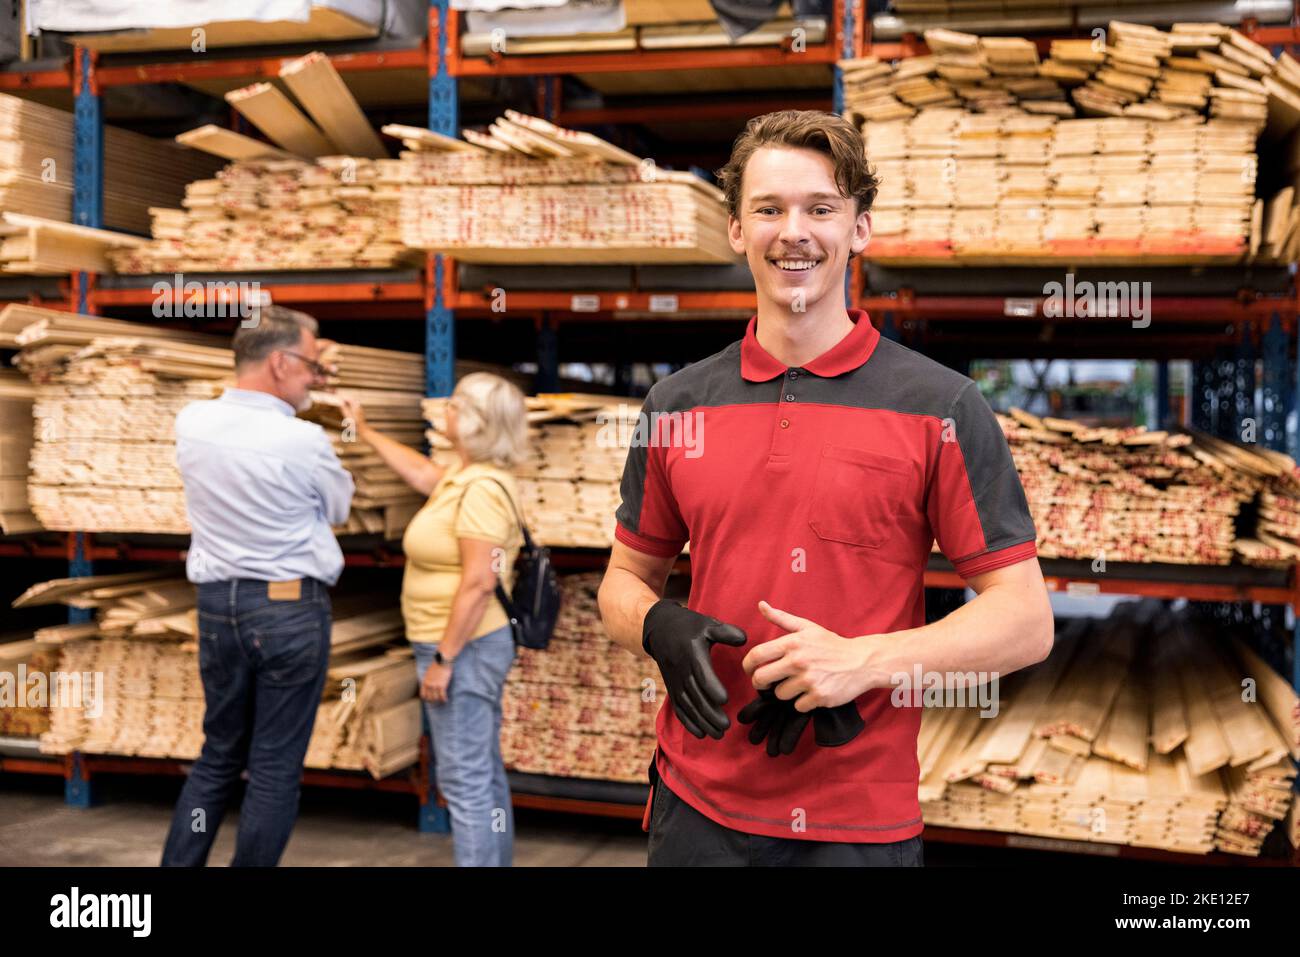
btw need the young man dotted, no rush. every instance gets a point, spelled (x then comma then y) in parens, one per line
(262, 489)
(824, 463)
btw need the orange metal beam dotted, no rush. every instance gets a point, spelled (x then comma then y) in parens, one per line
(56, 79)
(606, 302)
(304, 292)
(982, 308)
(639, 61)
(252, 68)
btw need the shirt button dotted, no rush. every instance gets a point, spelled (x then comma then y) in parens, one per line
(794, 373)
(785, 423)
(789, 397)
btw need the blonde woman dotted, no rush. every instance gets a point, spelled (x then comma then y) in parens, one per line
(457, 546)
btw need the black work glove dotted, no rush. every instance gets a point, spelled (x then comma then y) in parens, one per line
(783, 724)
(775, 720)
(679, 640)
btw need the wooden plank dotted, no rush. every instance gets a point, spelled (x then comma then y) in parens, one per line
(228, 144)
(283, 123)
(327, 100)
(323, 24)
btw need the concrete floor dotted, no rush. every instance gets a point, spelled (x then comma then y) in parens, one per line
(128, 823)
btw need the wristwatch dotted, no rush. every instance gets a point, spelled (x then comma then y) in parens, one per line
(438, 657)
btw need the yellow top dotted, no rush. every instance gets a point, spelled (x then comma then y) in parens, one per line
(466, 503)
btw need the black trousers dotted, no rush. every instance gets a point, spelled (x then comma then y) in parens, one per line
(681, 836)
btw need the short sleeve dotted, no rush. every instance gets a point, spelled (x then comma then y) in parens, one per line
(975, 503)
(484, 514)
(648, 519)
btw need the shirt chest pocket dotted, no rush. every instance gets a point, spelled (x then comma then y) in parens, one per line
(857, 496)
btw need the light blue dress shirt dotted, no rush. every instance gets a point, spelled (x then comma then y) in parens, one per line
(262, 489)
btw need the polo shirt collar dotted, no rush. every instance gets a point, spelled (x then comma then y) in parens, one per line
(759, 365)
(258, 400)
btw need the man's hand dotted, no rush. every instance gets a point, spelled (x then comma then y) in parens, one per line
(810, 665)
(679, 640)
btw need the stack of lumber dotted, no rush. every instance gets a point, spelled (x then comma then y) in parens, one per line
(531, 192)
(145, 697)
(278, 214)
(1132, 495)
(24, 695)
(371, 718)
(1133, 731)
(135, 28)
(584, 708)
(569, 481)
(106, 398)
(982, 158)
(144, 643)
(322, 194)
(646, 25)
(36, 167)
(35, 246)
(16, 394)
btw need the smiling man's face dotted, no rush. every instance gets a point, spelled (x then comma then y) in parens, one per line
(795, 228)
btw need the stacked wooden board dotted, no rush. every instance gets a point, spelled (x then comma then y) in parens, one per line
(35, 246)
(36, 167)
(1134, 731)
(982, 158)
(148, 696)
(569, 481)
(655, 25)
(1131, 495)
(371, 718)
(15, 450)
(584, 708)
(24, 698)
(277, 214)
(106, 398)
(531, 192)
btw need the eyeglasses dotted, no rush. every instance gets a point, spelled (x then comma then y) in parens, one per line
(318, 370)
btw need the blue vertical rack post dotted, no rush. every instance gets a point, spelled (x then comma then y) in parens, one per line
(439, 319)
(87, 210)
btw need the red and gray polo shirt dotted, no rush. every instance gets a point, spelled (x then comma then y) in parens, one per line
(819, 489)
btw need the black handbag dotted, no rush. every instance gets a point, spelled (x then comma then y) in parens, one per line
(534, 606)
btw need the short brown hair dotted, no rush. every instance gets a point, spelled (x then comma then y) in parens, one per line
(269, 328)
(827, 133)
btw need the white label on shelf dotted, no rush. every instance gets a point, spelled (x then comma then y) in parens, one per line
(663, 303)
(1020, 308)
(1083, 589)
(585, 303)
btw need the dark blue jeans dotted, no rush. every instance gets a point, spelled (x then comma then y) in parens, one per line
(263, 665)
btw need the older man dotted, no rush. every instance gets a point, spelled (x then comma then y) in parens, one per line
(262, 489)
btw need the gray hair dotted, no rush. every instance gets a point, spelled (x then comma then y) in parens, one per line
(272, 327)
(491, 419)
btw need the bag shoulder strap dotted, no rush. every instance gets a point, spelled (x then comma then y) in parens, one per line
(528, 539)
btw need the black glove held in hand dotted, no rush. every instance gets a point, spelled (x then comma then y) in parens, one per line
(679, 640)
(776, 720)
(782, 724)
(835, 726)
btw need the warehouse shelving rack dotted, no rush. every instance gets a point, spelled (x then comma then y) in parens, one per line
(1265, 324)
